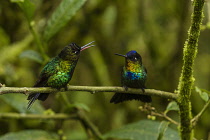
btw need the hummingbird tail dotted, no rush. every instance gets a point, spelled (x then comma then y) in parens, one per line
(35, 96)
(121, 97)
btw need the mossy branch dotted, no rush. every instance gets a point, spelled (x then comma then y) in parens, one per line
(186, 79)
(92, 89)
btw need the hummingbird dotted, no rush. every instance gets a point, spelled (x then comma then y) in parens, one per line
(133, 75)
(59, 71)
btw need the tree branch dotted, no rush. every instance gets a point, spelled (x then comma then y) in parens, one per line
(197, 117)
(88, 125)
(59, 116)
(151, 111)
(165, 116)
(92, 89)
(79, 115)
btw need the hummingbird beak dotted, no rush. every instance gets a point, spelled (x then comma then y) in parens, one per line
(120, 55)
(87, 46)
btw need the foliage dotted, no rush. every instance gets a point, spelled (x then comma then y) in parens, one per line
(204, 94)
(32, 31)
(30, 135)
(146, 130)
(61, 16)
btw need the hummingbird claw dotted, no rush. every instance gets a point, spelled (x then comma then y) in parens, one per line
(126, 88)
(66, 87)
(143, 90)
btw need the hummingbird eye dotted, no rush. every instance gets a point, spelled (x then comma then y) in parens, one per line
(76, 52)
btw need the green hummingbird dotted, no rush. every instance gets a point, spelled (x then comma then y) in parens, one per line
(58, 72)
(134, 75)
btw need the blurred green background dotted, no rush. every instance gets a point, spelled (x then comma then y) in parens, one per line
(155, 29)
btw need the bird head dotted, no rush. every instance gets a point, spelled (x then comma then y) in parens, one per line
(131, 57)
(72, 51)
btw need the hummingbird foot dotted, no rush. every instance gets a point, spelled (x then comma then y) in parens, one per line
(143, 90)
(126, 88)
(66, 87)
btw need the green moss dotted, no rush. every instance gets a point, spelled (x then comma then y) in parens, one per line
(186, 79)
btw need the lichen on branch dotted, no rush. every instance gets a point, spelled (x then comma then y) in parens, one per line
(186, 79)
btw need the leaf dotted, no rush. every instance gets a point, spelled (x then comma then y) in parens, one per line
(208, 25)
(204, 94)
(172, 106)
(11, 52)
(20, 103)
(81, 106)
(144, 130)
(5, 39)
(30, 135)
(61, 16)
(162, 129)
(33, 55)
(75, 134)
(27, 7)
(16, 1)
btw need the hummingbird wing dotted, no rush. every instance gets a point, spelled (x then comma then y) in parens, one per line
(48, 71)
(41, 82)
(145, 69)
